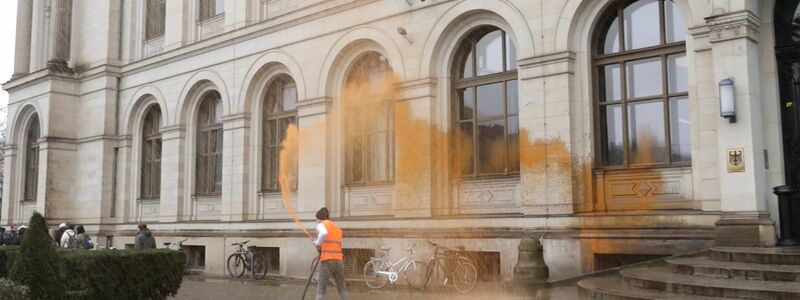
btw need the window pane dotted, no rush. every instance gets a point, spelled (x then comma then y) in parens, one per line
(217, 118)
(612, 134)
(681, 144)
(611, 83)
(513, 144)
(216, 141)
(289, 97)
(611, 40)
(678, 74)
(644, 78)
(491, 147)
(646, 132)
(796, 25)
(489, 58)
(511, 54)
(464, 150)
(466, 104)
(217, 173)
(490, 101)
(466, 67)
(512, 92)
(355, 159)
(157, 149)
(642, 24)
(675, 29)
(377, 163)
(219, 7)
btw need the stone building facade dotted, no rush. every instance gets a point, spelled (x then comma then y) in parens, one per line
(595, 124)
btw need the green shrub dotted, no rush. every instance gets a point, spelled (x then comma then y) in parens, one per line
(8, 255)
(10, 290)
(36, 265)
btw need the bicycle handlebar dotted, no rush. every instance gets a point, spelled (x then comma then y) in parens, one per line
(240, 244)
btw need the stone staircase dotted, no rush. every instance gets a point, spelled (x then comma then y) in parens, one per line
(718, 273)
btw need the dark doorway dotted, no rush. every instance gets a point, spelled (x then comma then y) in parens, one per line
(787, 49)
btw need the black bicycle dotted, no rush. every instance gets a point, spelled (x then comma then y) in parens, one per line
(247, 259)
(187, 267)
(451, 266)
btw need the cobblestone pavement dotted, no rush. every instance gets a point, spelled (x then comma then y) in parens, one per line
(220, 288)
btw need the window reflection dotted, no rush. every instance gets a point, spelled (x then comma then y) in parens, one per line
(675, 30)
(612, 83)
(681, 144)
(646, 136)
(678, 74)
(613, 134)
(489, 50)
(644, 78)
(642, 24)
(611, 40)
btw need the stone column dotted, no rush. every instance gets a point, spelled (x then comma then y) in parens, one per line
(240, 13)
(547, 164)
(173, 162)
(313, 163)
(734, 45)
(10, 182)
(176, 30)
(22, 51)
(59, 41)
(236, 187)
(415, 141)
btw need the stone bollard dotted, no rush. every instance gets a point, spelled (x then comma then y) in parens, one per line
(530, 272)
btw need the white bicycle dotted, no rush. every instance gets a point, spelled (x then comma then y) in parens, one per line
(379, 270)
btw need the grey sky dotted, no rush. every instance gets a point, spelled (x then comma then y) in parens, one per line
(8, 25)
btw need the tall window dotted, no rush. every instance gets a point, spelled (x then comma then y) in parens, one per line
(487, 109)
(151, 154)
(642, 85)
(209, 145)
(32, 159)
(156, 12)
(369, 121)
(280, 111)
(211, 8)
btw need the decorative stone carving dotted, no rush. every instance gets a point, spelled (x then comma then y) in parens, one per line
(154, 46)
(487, 196)
(272, 205)
(210, 27)
(149, 209)
(736, 25)
(207, 208)
(370, 200)
(646, 189)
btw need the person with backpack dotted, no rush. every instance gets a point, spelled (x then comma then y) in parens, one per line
(59, 233)
(144, 239)
(84, 240)
(69, 240)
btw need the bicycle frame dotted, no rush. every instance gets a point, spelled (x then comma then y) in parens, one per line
(394, 271)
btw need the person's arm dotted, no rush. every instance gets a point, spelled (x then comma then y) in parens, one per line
(322, 233)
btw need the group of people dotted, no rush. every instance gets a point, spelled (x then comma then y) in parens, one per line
(14, 236)
(69, 236)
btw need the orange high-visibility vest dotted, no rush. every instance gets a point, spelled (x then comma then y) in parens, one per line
(332, 245)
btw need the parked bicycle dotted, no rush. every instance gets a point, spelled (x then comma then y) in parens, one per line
(179, 247)
(380, 270)
(451, 266)
(246, 259)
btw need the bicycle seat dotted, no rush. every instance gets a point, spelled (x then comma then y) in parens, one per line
(461, 248)
(167, 244)
(384, 248)
(433, 244)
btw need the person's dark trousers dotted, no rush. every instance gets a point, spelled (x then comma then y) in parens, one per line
(327, 269)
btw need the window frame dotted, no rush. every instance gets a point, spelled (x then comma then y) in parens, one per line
(459, 83)
(268, 117)
(206, 183)
(33, 134)
(207, 10)
(150, 160)
(365, 131)
(621, 59)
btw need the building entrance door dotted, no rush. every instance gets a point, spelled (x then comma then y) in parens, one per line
(787, 41)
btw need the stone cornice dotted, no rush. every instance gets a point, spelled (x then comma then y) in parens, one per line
(547, 65)
(313, 106)
(736, 25)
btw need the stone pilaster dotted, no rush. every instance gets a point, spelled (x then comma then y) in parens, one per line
(22, 51)
(173, 185)
(734, 45)
(10, 184)
(547, 164)
(176, 30)
(236, 168)
(313, 159)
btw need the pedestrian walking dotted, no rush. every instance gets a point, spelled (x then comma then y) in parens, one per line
(59, 233)
(84, 240)
(331, 259)
(69, 240)
(144, 238)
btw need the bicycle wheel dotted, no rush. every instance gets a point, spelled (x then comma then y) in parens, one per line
(464, 277)
(259, 267)
(415, 274)
(236, 265)
(371, 276)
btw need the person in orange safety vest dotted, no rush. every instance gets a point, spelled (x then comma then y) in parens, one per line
(331, 258)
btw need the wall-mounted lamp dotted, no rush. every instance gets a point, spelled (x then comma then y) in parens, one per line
(727, 100)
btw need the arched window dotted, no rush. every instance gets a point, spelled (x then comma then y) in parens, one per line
(642, 103)
(369, 121)
(32, 159)
(280, 111)
(151, 154)
(487, 109)
(209, 145)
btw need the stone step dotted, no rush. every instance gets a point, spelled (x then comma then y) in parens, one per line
(775, 256)
(706, 267)
(611, 288)
(662, 279)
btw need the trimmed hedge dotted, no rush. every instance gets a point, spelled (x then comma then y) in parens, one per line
(114, 274)
(37, 265)
(10, 290)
